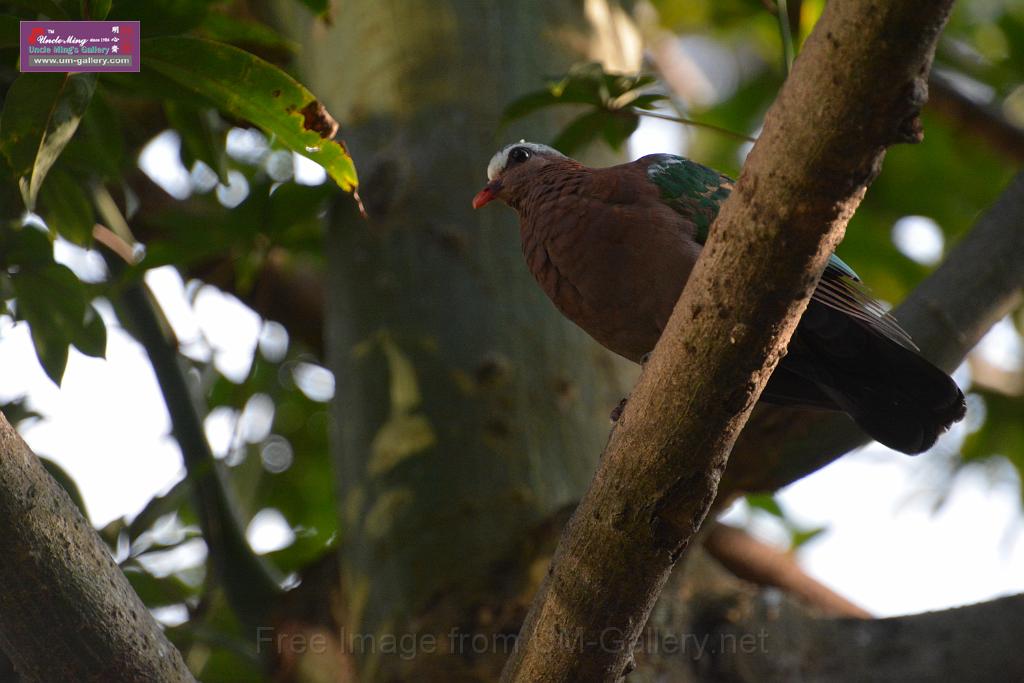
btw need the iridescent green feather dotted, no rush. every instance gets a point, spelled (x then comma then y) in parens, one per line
(697, 192)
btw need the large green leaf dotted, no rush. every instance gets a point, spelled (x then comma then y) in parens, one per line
(245, 86)
(41, 114)
(53, 302)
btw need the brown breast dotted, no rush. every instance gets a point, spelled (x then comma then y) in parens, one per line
(610, 256)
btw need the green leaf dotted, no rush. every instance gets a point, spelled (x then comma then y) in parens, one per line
(66, 207)
(200, 139)
(52, 300)
(92, 339)
(18, 410)
(1002, 433)
(529, 103)
(245, 86)
(618, 126)
(648, 102)
(765, 502)
(157, 591)
(801, 537)
(40, 116)
(25, 247)
(51, 350)
(96, 10)
(158, 506)
(583, 130)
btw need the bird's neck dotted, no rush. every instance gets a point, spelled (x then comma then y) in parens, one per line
(560, 178)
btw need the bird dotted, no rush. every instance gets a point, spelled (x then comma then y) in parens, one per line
(613, 247)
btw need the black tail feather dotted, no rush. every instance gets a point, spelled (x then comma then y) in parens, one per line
(896, 396)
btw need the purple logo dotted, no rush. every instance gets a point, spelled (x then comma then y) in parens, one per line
(80, 46)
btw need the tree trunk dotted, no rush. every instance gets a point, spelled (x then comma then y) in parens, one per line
(467, 409)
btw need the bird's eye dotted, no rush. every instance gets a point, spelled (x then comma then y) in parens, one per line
(518, 155)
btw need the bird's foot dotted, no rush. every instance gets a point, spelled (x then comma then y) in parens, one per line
(617, 410)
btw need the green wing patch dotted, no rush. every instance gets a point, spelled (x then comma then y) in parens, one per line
(692, 190)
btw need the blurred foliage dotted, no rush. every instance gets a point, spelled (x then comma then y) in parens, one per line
(215, 71)
(614, 102)
(69, 149)
(798, 535)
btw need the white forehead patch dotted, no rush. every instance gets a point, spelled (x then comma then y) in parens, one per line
(500, 160)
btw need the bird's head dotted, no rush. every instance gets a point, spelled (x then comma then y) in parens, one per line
(511, 169)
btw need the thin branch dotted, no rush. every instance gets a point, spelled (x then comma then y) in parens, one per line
(691, 122)
(988, 123)
(786, 35)
(760, 563)
(246, 579)
(863, 69)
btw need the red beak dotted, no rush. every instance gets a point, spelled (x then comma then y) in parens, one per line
(486, 195)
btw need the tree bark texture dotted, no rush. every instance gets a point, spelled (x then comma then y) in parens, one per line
(856, 88)
(67, 613)
(467, 409)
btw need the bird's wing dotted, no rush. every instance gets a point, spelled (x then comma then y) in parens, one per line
(697, 192)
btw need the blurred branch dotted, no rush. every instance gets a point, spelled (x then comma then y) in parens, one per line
(696, 124)
(244, 576)
(782, 14)
(988, 123)
(659, 473)
(765, 565)
(972, 643)
(67, 613)
(979, 282)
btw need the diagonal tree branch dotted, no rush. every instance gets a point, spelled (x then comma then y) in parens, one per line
(765, 565)
(987, 122)
(857, 87)
(67, 613)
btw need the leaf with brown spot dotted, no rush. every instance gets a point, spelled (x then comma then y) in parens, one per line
(317, 118)
(247, 87)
